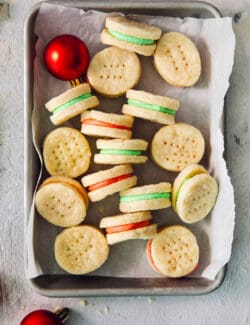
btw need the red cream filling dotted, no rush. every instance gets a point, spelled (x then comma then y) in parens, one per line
(91, 121)
(149, 253)
(108, 182)
(129, 226)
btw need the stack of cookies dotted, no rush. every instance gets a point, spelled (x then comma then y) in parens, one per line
(175, 147)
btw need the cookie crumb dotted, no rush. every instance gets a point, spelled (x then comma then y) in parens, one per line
(84, 302)
(101, 209)
(151, 300)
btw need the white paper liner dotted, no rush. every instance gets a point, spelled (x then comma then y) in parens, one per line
(201, 106)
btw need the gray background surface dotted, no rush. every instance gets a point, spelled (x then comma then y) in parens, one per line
(227, 305)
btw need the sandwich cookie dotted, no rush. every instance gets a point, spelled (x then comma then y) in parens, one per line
(113, 71)
(62, 201)
(108, 125)
(176, 146)
(128, 226)
(173, 252)
(71, 103)
(148, 197)
(177, 60)
(66, 152)
(194, 193)
(121, 151)
(131, 35)
(109, 181)
(81, 249)
(160, 109)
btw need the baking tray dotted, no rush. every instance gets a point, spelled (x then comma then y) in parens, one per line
(77, 286)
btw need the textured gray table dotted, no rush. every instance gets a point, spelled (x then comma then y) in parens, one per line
(227, 305)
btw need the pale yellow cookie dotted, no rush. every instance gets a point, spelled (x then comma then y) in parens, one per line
(196, 198)
(107, 182)
(71, 103)
(174, 147)
(113, 71)
(147, 197)
(66, 152)
(61, 203)
(130, 35)
(69, 181)
(128, 226)
(121, 151)
(148, 106)
(108, 125)
(174, 251)
(81, 249)
(184, 175)
(177, 60)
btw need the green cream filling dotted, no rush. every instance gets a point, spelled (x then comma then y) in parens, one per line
(131, 39)
(71, 102)
(120, 152)
(151, 106)
(140, 197)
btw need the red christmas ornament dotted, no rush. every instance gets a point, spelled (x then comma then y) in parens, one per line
(66, 57)
(45, 317)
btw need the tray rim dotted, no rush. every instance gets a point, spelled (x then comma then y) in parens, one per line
(28, 100)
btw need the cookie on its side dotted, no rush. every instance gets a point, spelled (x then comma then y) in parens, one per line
(194, 193)
(173, 252)
(66, 152)
(62, 201)
(131, 35)
(108, 125)
(128, 226)
(113, 71)
(174, 147)
(71, 103)
(121, 151)
(107, 182)
(147, 197)
(81, 249)
(148, 106)
(177, 60)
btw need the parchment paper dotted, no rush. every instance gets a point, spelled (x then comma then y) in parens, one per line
(201, 106)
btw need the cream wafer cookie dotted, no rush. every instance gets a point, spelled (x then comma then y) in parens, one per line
(71, 103)
(113, 71)
(173, 252)
(66, 152)
(147, 197)
(81, 249)
(148, 106)
(124, 227)
(176, 146)
(130, 35)
(62, 201)
(108, 125)
(194, 193)
(177, 60)
(121, 151)
(107, 182)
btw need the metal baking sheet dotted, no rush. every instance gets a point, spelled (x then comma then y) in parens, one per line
(71, 285)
